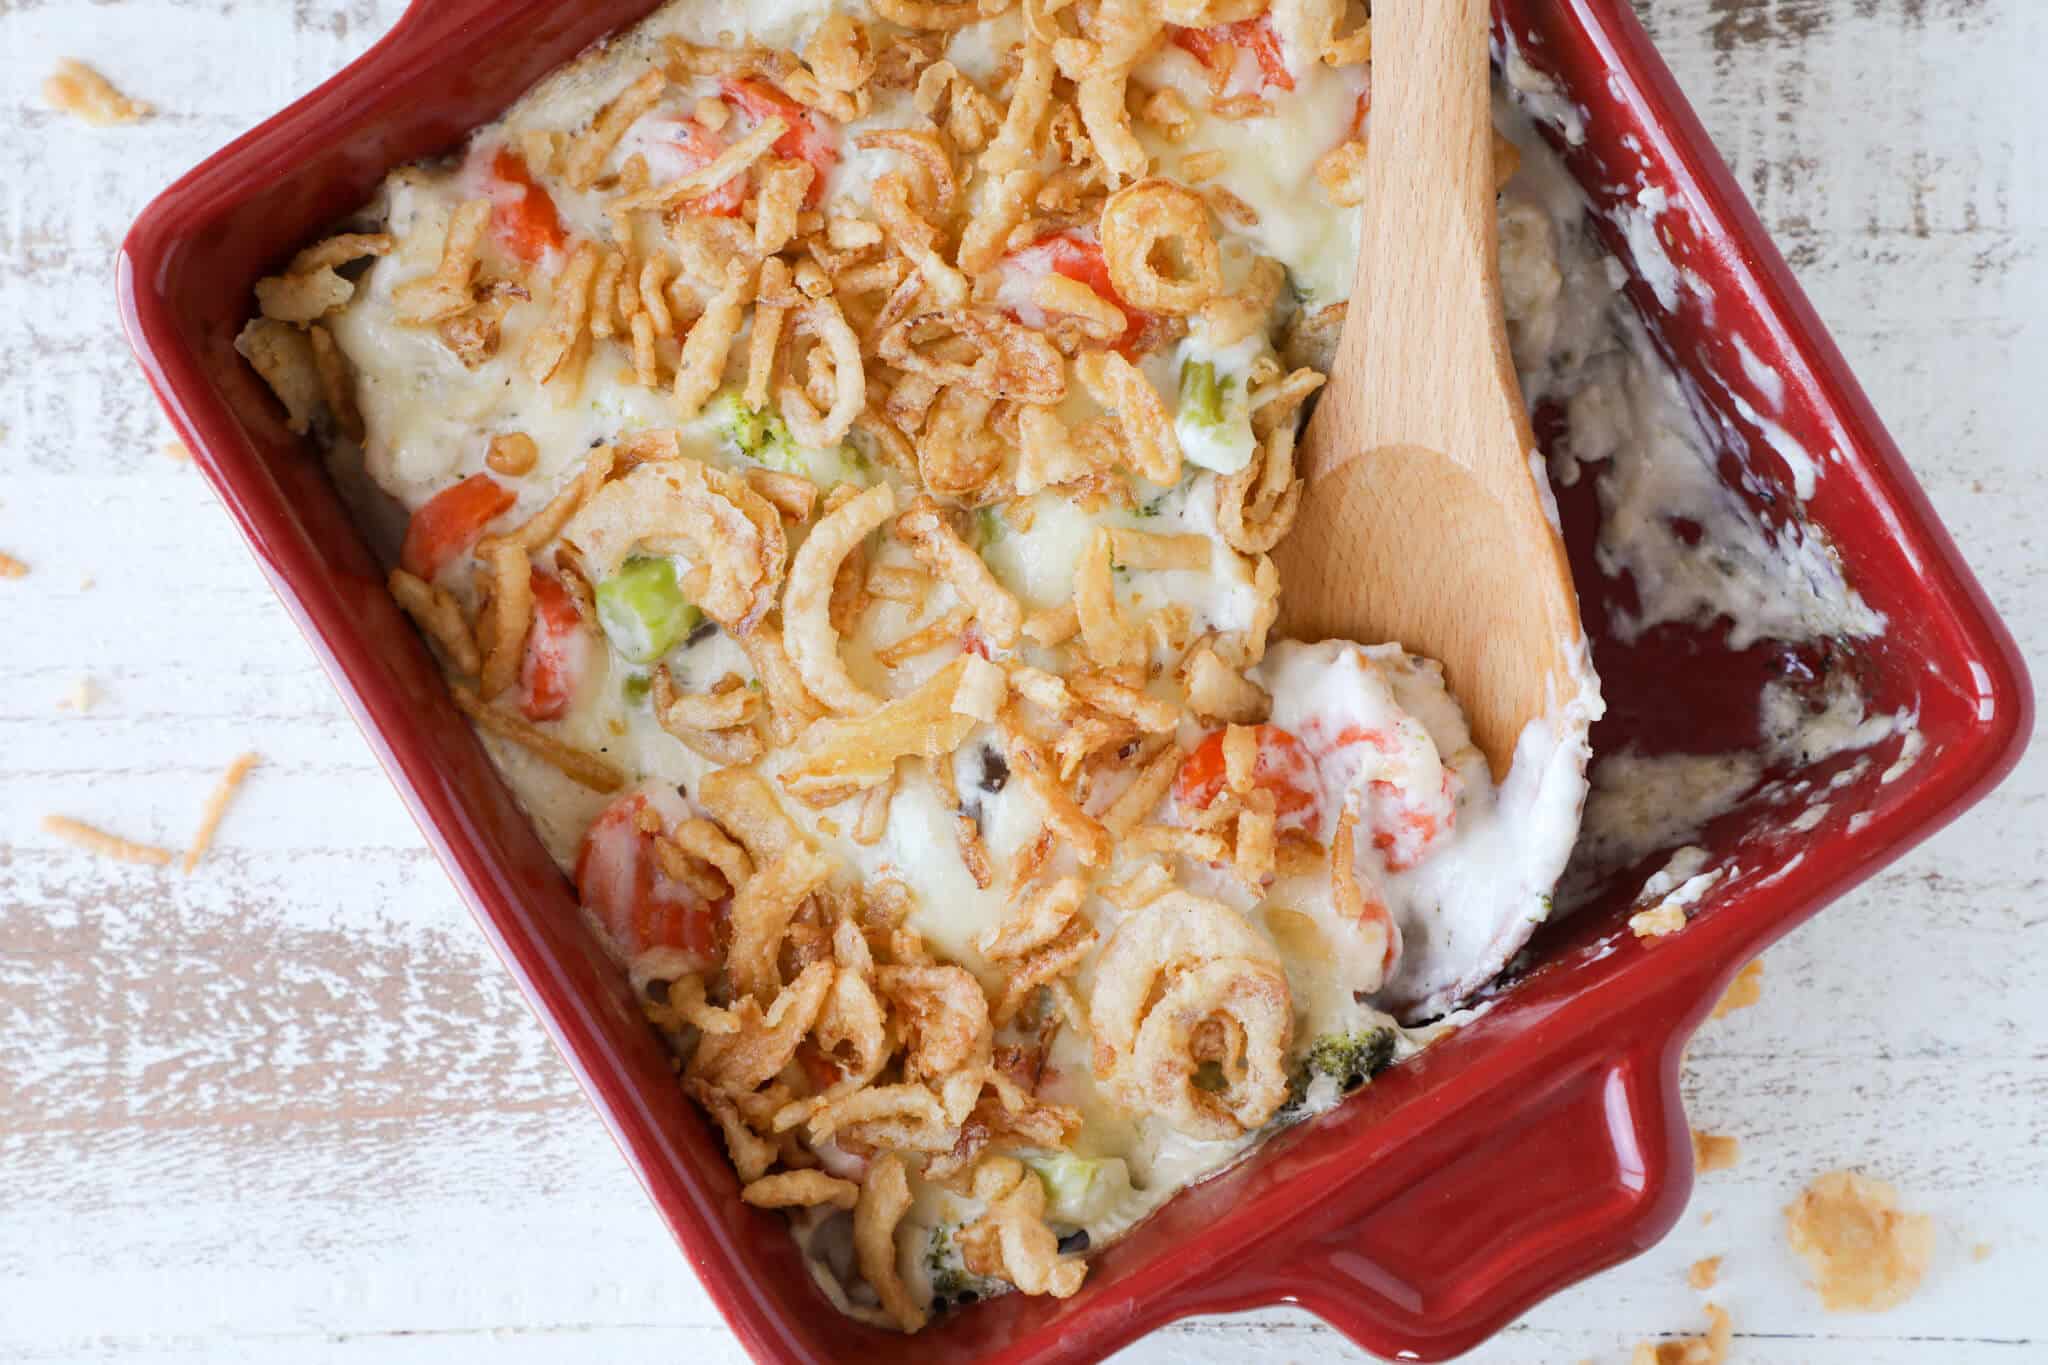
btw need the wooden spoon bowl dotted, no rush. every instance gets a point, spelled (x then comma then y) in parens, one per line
(1425, 519)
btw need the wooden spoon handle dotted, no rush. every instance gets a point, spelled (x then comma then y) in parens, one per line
(1426, 355)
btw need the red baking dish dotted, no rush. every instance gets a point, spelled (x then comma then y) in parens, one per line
(1539, 1144)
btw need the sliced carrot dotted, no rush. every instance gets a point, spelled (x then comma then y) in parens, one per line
(556, 651)
(1080, 258)
(1255, 35)
(1283, 767)
(700, 147)
(807, 139)
(527, 222)
(447, 523)
(622, 886)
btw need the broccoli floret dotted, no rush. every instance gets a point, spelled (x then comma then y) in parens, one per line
(952, 1282)
(1351, 1059)
(757, 434)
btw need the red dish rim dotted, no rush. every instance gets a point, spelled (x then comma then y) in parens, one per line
(1626, 1089)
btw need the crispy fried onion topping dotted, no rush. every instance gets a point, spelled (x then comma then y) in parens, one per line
(337, 382)
(744, 806)
(1359, 904)
(742, 1061)
(801, 1190)
(1109, 640)
(1118, 33)
(852, 1030)
(1063, 814)
(446, 292)
(1150, 446)
(761, 915)
(807, 605)
(978, 350)
(1011, 1240)
(1008, 168)
(1161, 253)
(731, 535)
(719, 723)
(310, 288)
(584, 161)
(944, 1018)
(1255, 507)
(439, 617)
(959, 453)
(1042, 940)
(1218, 692)
(751, 1154)
(884, 1199)
(837, 348)
(1186, 985)
(281, 354)
(940, 549)
(843, 757)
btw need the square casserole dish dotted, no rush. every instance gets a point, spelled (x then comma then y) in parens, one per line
(1536, 1146)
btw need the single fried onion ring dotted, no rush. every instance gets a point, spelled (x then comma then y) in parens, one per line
(1234, 1012)
(1171, 933)
(1155, 218)
(822, 320)
(731, 534)
(807, 604)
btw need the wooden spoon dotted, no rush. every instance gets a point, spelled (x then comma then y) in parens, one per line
(1422, 521)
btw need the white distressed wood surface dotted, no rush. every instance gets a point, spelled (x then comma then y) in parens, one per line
(288, 1110)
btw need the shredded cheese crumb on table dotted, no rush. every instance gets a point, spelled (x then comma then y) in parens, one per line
(1745, 990)
(75, 88)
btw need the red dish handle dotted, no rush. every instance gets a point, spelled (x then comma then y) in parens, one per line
(1586, 1171)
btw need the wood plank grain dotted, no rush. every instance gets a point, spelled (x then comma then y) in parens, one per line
(289, 1109)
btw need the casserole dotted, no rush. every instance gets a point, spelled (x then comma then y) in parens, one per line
(1578, 1021)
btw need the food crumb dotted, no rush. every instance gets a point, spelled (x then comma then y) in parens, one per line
(177, 451)
(1704, 1273)
(1711, 1349)
(10, 567)
(93, 840)
(216, 807)
(80, 698)
(1981, 1252)
(1656, 923)
(1745, 990)
(75, 88)
(1714, 1151)
(1865, 1254)
(1707, 1218)
(87, 583)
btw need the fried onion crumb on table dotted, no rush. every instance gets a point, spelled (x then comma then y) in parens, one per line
(1864, 1253)
(77, 89)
